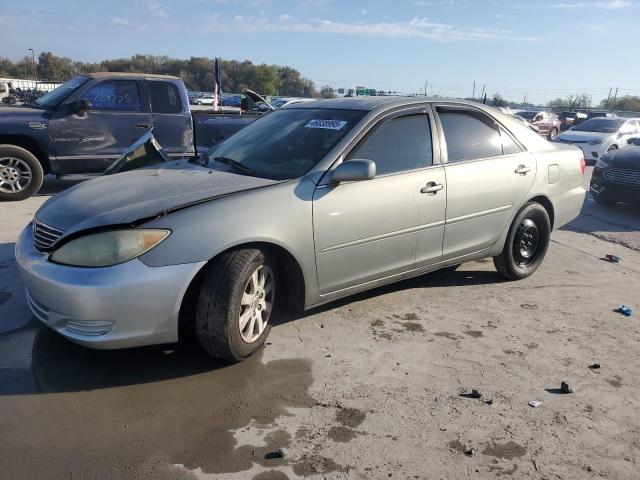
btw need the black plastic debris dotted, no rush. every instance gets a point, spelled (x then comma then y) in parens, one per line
(565, 388)
(474, 394)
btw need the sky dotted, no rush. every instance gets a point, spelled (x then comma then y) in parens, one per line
(541, 49)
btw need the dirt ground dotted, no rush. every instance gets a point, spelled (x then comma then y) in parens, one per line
(369, 387)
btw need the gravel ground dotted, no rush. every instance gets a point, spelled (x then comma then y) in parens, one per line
(368, 387)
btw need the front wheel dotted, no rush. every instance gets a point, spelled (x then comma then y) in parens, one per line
(21, 174)
(526, 243)
(553, 133)
(235, 304)
(612, 148)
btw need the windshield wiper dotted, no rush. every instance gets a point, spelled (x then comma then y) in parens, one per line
(234, 164)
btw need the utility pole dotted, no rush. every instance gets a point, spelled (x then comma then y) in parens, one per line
(615, 97)
(473, 95)
(482, 94)
(425, 88)
(35, 71)
(609, 96)
(524, 99)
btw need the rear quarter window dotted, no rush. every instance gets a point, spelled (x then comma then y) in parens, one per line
(165, 97)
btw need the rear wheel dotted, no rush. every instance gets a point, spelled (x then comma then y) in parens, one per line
(553, 133)
(21, 174)
(235, 304)
(526, 244)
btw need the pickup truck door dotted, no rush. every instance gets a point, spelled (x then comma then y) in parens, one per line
(90, 141)
(488, 176)
(368, 230)
(172, 122)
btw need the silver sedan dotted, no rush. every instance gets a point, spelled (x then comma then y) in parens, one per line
(311, 203)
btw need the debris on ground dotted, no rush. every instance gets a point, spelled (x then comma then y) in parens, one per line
(613, 258)
(474, 394)
(565, 388)
(594, 366)
(624, 310)
(535, 403)
(275, 454)
(470, 452)
(488, 402)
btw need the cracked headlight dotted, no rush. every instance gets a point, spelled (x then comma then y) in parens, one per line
(108, 248)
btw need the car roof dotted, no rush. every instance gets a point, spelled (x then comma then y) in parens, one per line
(371, 103)
(127, 75)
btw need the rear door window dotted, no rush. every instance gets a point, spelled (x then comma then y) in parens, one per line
(165, 97)
(469, 134)
(397, 145)
(115, 95)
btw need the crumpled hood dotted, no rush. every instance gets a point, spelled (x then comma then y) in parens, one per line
(130, 196)
(628, 158)
(573, 136)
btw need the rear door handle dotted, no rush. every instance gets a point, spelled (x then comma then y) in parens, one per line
(432, 188)
(143, 126)
(522, 170)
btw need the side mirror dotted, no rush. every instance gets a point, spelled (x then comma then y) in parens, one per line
(81, 105)
(354, 171)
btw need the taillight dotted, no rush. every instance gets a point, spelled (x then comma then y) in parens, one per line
(583, 165)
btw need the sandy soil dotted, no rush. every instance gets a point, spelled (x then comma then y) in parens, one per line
(369, 387)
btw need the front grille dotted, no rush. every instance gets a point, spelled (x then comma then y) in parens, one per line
(623, 175)
(44, 236)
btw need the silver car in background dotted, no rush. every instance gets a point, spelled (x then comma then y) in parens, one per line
(310, 203)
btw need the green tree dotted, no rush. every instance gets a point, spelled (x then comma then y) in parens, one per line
(499, 101)
(327, 91)
(629, 103)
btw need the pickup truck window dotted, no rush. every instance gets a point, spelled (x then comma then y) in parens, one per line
(165, 97)
(286, 143)
(118, 95)
(58, 95)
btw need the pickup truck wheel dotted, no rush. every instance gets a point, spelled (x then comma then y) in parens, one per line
(526, 244)
(235, 304)
(21, 174)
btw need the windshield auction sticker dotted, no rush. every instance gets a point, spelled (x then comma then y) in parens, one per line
(326, 124)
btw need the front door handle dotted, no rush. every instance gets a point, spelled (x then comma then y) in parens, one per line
(522, 170)
(143, 126)
(432, 188)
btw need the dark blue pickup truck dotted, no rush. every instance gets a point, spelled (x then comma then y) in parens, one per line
(87, 123)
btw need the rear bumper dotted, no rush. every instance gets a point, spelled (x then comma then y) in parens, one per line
(127, 305)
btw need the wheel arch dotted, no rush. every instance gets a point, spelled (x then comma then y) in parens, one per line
(30, 144)
(548, 206)
(286, 264)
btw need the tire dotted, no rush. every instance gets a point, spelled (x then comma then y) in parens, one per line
(612, 148)
(198, 103)
(15, 164)
(227, 295)
(529, 233)
(553, 133)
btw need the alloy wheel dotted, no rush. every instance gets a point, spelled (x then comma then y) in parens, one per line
(256, 304)
(15, 175)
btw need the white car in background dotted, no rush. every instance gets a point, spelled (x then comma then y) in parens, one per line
(204, 100)
(600, 135)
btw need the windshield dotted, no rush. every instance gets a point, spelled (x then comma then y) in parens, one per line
(57, 96)
(286, 143)
(599, 125)
(528, 115)
(278, 102)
